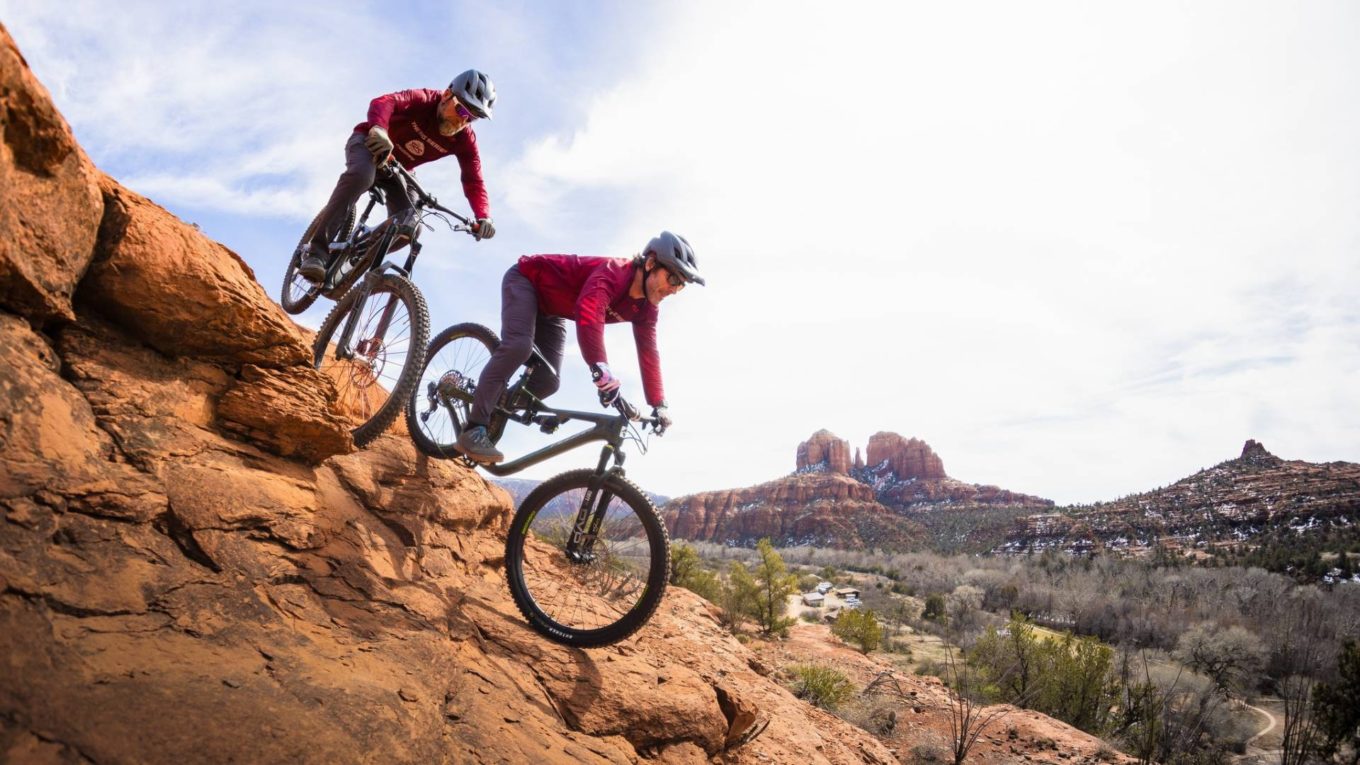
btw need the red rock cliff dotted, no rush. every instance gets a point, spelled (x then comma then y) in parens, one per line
(906, 457)
(826, 451)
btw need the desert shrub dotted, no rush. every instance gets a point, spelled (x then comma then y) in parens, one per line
(859, 628)
(821, 685)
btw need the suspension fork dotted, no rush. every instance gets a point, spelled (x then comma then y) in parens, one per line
(342, 347)
(590, 516)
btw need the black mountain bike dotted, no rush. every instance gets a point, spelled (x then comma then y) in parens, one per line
(373, 342)
(587, 555)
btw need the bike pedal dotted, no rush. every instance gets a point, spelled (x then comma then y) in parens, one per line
(548, 423)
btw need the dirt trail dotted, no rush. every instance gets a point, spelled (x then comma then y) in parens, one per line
(1255, 751)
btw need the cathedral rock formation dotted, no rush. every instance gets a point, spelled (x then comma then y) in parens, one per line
(833, 500)
(906, 457)
(824, 451)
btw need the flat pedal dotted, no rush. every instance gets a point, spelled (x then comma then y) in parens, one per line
(548, 423)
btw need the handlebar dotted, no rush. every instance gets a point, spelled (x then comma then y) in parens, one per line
(631, 412)
(392, 166)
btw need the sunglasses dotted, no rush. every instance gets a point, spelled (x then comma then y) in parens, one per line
(674, 279)
(463, 113)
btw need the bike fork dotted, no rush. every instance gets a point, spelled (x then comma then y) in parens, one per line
(342, 348)
(590, 516)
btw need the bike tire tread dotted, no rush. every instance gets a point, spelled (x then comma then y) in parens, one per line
(634, 620)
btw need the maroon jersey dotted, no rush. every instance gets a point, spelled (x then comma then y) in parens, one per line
(411, 119)
(594, 292)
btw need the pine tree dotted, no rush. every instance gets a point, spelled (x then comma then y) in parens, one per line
(774, 585)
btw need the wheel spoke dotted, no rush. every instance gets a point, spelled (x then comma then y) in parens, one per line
(599, 590)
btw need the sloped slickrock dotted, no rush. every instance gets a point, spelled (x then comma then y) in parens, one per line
(50, 203)
(287, 410)
(181, 292)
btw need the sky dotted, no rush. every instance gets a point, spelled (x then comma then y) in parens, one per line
(1081, 249)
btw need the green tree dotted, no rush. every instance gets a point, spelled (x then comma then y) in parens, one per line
(1070, 679)
(684, 562)
(774, 585)
(935, 607)
(737, 596)
(860, 628)
(1336, 707)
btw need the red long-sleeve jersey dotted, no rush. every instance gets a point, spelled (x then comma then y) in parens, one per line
(411, 119)
(594, 292)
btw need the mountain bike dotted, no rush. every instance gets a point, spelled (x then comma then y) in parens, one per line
(373, 341)
(587, 556)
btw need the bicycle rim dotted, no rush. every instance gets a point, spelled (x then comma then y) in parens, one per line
(386, 351)
(442, 397)
(606, 594)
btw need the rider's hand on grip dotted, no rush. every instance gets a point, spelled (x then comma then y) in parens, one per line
(378, 143)
(606, 383)
(484, 229)
(662, 416)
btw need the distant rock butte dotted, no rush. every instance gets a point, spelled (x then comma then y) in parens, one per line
(832, 500)
(907, 457)
(826, 450)
(1228, 504)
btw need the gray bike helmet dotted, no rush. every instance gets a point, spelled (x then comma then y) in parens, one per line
(476, 92)
(674, 252)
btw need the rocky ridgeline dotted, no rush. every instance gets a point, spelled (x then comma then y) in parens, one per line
(834, 500)
(1228, 504)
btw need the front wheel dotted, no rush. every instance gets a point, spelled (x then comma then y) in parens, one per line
(379, 367)
(593, 588)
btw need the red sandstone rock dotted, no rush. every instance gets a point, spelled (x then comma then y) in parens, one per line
(824, 448)
(907, 458)
(50, 205)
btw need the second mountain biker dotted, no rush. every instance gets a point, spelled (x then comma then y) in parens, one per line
(542, 290)
(415, 127)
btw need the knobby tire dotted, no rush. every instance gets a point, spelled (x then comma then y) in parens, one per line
(356, 379)
(543, 595)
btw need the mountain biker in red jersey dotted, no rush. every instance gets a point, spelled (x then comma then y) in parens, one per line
(415, 127)
(540, 291)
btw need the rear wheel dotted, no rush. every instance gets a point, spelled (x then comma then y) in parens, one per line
(298, 294)
(437, 410)
(602, 589)
(385, 352)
